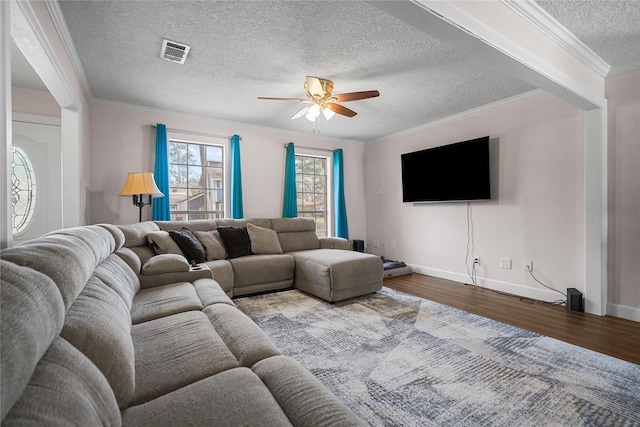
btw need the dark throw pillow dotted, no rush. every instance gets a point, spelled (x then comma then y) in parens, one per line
(189, 245)
(236, 241)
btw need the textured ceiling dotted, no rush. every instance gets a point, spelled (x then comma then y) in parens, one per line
(244, 49)
(610, 28)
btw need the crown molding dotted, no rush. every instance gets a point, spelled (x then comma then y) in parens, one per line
(465, 114)
(53, 6)
(625, 68)
(538, 17)
(210, 120)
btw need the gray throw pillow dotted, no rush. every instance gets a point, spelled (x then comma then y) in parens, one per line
(236, 241)
(162, 243)
(213, 244)
(189, 244)
(263, 240)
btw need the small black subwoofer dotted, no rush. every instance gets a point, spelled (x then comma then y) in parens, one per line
(358, 245)
(574, 300)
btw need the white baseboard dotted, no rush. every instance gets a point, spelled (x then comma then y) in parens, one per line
(623, 311)
(496, 285)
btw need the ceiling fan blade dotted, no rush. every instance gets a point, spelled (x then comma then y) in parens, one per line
(339, 109)
(300, 113)
(284, 99)
(314, 87)
(354, 96)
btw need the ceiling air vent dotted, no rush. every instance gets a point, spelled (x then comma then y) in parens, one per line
(174, 51)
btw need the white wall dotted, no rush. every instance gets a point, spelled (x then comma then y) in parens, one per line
(537, 211)
(623, 93)
(123, 141)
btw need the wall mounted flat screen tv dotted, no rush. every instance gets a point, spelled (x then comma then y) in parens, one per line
(450, 173)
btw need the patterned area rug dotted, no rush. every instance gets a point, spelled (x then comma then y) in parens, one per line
(399, 360)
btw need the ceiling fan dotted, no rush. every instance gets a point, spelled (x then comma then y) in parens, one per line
(321, 100)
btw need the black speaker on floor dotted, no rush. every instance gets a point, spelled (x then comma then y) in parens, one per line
(358, 245)
(574, 300)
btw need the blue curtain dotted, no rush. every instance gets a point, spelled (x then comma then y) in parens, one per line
(236, 179)
(290, 205)
(342, 226)
(161, 206)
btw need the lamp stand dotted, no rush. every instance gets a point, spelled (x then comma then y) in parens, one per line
(139, 202)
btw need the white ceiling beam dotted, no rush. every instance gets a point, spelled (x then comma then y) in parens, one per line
(446, 22)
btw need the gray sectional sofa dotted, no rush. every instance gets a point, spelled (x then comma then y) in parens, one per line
(324, 267)
(99, 330)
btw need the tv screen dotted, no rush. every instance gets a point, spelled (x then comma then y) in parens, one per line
(450, 173)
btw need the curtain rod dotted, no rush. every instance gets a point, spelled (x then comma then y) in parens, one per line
(190, 132)
(311, 148)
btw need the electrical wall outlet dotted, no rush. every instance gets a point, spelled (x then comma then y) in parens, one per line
(505, 263)
(476, 260)
(376, 244)
(384, 245)
(528, 265)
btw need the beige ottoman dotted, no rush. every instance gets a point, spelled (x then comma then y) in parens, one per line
(335, 274)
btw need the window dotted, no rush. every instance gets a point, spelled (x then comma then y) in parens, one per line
(23, 190)
(196, 180)
(311, 189)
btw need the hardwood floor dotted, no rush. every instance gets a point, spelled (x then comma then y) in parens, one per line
(609, 335)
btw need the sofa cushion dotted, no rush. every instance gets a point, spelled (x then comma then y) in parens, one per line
(78, 257)
(210, 292)
(299, 241)
(296, 234)
(174, 351)
(242, 223)
(66, 389)
(306, 401)
(99, 325)
(262, 269)
(290, 225)
(189, 245)
(162, 243)
(162, 301)
(166, 263)
(117, 234)
(232, 398)
(136, 234)
(236, 241)
(263, 240)
(116, 274)
(194, 225)
(32, 316)
(242, 336)
(213, 245)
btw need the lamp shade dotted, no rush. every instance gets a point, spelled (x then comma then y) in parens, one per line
(140, 183)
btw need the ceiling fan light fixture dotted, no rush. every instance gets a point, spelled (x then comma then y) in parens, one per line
(313, 113)
(328, 114)
(320, 98)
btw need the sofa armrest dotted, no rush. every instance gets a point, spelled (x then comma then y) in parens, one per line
(334, 243)
(169, 268)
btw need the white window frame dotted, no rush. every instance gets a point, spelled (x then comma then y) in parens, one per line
(216, 142)
(329, 184)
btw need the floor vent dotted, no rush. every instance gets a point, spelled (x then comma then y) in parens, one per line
(174, 51)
